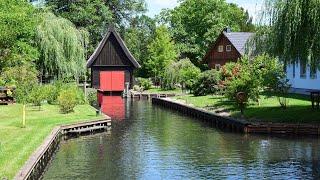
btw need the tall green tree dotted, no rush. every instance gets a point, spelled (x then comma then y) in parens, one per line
(161, 53)
(62, 48)
(17, 28)
(196, 24)
(93, 15)
(291, 30)
(96, 15)
(137, 37)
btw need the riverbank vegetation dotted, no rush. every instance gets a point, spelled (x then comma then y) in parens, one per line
(267, 110)
(17, 144)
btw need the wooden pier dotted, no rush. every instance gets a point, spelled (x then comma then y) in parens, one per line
(150, 95)
(37, 163)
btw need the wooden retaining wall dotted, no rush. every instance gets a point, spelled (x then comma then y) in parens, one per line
(35, 166)
(240, 125)
(208, 117)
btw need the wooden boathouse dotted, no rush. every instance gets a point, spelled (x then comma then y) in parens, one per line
(112, 64)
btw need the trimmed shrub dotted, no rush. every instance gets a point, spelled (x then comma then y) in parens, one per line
(67, 100)
(207, 83)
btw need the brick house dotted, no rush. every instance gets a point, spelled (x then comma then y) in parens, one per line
(229, 47)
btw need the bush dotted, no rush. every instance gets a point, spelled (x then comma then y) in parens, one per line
(92, 97)
(183, 73)
(67, 100)
(144, 83)
(38, 95)
(53, 91)
(207, 83)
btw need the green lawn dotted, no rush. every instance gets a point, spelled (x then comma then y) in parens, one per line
(159, 90)
(17, 144)
(298, 111)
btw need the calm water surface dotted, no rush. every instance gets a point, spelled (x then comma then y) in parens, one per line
(154, 143)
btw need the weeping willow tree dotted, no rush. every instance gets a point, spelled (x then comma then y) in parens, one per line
(62, 48)
(290, 30)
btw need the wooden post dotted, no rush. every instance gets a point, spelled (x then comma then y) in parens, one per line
(24, 116)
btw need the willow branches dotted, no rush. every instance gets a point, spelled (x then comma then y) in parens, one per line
(62, 47)
(291, 30)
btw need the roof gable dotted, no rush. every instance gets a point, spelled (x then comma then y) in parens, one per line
(239, 40)
(111, 31)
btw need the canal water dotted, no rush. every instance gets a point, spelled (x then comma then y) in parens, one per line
(150, 142)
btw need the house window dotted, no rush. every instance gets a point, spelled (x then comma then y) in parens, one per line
(313, 72)
(217, 67)
(303, 70)
(294, 70)
(220, 48)
(228, 48)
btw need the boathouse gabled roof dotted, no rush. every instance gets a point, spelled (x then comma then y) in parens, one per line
(111, 30)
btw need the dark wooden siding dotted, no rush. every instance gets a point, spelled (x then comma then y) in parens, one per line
(222, 58)
(112, 54)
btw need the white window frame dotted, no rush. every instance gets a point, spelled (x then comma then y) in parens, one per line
(228, 48)
(217, 67)
(220, 48)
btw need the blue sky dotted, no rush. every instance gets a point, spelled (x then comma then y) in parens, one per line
(155, 6)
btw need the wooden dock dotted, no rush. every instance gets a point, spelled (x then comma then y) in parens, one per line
(151, 95)
(35, 166)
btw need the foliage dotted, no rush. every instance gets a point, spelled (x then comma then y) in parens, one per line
(92, 97)
(282, 90)
(67, 100)
(93, 15)
(207, 83)
(37, 95)
(53, 91)
(252, 76)
(161, 52)
(183, 72)
(24, 78)
(17, 28)
(137, 37)
(61, 46)
(144, 83)
(96, 15)
(292, 30)
(196, 24)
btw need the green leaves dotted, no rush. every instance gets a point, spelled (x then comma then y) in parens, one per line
(293, 30)
(196, 24)
(161, 52)
(61, 46)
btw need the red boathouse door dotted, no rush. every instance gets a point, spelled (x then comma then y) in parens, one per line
(112, 81)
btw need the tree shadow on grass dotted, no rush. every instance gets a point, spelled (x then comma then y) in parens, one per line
(290, 95)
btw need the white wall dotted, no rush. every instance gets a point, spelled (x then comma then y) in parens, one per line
(302, 83)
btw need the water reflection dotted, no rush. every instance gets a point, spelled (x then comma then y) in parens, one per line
(154, 143)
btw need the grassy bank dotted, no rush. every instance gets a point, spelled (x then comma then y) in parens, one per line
(298, 111)
(17, 144)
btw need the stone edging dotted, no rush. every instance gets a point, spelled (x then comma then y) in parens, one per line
(239, 125)
(38, 161)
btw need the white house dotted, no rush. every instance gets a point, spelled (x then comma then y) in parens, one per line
(303, 77)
